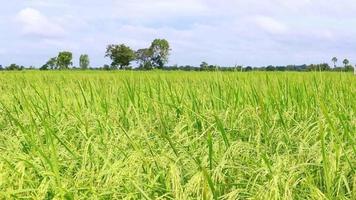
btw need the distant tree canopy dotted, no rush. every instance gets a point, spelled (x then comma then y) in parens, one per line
(106, 67)
(121, 55)
(64, 60)
(159, 52)
(143, 58)
(204, 66)
(318, 67)
(14, 67)
(334, 60)
(270, 68)
(345, 62)
(50, 64)
(349, 68)
(156, 56)
(84, 61)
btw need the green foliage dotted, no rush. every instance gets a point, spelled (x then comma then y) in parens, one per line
(50, 64)
(270, 68)
(160, 52)
(346, 62)
(349, 68)
(13, 67)
(106, 67)
(84, 61)
(204, 65)
(334, 60)
(144, 58)
(64, 60)
(121, 55)
(318, 67)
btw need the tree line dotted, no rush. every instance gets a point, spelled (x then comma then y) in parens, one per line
(156, 57)
(121, 55)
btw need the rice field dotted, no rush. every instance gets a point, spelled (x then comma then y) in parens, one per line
(177, 135)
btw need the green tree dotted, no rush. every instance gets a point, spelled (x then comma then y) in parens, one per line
(334, 60)
(204, 65)
(349, 68)
(50, 64)
(84, 61)
(14, 67)
(120, 55)
(346, 62)
(318, 67)
(270, 68)
(64, 59)
(106, 67)
(160, 52)
(44, 67)
(143, 57)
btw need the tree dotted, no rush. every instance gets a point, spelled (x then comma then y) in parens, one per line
(44, 67)
(50, 64)
(270, 68)
(106, 67)
(143, 57)
(346, 62)
(84, 61)
(121, 55)
(204, 65)
(247, 69)
(349, 68)
(318, 67)
(64, 59)
(334, 60)
(160, 52)
(15, 67)
(281, 68)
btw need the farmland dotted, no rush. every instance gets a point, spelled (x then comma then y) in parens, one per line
(177, 135)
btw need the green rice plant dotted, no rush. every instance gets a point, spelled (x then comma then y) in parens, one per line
(177, 135)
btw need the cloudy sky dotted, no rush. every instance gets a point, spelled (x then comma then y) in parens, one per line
(225, 32)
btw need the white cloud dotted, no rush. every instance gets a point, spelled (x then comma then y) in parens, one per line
(36, 24)
(270, 25)
(221, 32)
(2, 51)
(153, 9)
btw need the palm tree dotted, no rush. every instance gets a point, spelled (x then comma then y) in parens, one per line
(334, 60)
(346, 62)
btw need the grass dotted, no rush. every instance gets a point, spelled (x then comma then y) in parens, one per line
(177, 135)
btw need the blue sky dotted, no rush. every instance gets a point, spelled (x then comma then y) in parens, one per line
(225, 32)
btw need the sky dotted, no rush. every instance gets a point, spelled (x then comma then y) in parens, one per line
(223, 32)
